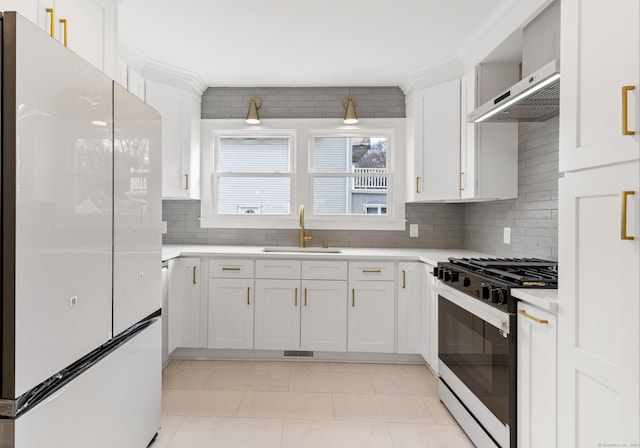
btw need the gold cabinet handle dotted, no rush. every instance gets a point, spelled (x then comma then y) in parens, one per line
(305, 296)
(186, 181)
(53, 20)
(461, 188)
(230, 269)
(529, 316)
(353, 298)
(64, 23)
(249, 295)
(623, 219)
(295, 298)
(194, 274)
(625, 110)
(417, 185)
(371, 271)
(404, 279)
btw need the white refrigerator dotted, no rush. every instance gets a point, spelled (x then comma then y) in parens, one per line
(80, 249)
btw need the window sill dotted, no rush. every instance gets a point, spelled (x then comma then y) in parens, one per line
(317, 223)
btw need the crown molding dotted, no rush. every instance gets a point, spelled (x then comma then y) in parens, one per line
(436, 73)
(158, 71)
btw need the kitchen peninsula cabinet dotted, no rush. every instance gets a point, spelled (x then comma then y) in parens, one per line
(409, 318)
(180, 111)
(185, 304)
(231, 303)
(371, 307)
(91, 26)
(599, 228)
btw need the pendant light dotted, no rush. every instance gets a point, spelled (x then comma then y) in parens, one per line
(252, 114)
(350, 116)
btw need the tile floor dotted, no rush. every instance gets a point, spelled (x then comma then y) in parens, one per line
(287, 404)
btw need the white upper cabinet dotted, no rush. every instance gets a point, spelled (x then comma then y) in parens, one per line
(488, 151)
(600, 57)
(180, 111)
(433, 163)
(90, 26)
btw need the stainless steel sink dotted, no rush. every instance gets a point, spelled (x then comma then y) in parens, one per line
(315, 250)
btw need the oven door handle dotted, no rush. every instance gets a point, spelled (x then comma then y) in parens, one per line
(497, 318)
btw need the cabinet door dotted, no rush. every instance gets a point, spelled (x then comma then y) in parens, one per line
(425, 311)
(185, 304)
(277, 324)
(231, 308)
(323, 320)
(600, 55)
(433, 324)
(90, 30)
(537, 369)
(180, 113)
(440, 142)
(599, 313)
(371, 316)
(409, 306)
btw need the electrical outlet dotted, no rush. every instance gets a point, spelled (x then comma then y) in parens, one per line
(413, 230)
(507, 235)
(164, 226)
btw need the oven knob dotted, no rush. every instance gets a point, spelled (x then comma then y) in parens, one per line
(454, 276)
(486, 292)
(466, 282)
(499, 296)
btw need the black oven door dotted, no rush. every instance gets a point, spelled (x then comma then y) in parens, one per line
(482, 356)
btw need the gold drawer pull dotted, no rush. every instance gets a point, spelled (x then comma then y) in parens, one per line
(186, 181)
(371, 271)
(525, 314)
(194, 274)
(249, 295)
(353, 298)
(623, 219)
(295, 297)
(65, 24)
(625, 110)
(305, 296)
(404, 279)
(417, 185)
(230, 269)
(53, 20)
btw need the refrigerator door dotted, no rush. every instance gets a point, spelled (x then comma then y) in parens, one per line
(56, 206)
(116, 403)
(137, 282)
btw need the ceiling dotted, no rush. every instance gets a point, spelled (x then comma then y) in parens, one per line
(301, 42)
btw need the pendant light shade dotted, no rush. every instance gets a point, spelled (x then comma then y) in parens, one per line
(252, 114)
(350, 116)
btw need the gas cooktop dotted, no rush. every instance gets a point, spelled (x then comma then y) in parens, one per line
(519, 272)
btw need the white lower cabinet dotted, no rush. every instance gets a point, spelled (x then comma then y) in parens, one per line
(323, 318)
(301, 314)
(425, 311)
(409, 317)
(231, 304)
(277, 325)
(185, 304)
(433, 322)
(537, 383)
(371, 313)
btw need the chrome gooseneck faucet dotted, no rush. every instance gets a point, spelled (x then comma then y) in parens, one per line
(303, 238)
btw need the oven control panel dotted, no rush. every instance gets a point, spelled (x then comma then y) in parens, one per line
(490, 291)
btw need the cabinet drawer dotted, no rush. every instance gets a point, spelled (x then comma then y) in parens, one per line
(324, 270)
(371, 270)
(285, 269)
(231, 268)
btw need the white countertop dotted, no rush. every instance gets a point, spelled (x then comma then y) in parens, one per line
(429, 256)
(547, 299)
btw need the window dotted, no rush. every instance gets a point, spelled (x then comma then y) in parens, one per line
(253, 175)
(348, 173)
(347, 177)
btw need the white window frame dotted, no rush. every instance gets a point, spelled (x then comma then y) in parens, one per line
(302, 131)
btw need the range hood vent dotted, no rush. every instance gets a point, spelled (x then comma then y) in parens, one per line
(534, 98)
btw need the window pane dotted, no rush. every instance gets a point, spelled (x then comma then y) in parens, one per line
(350, 154)
(254, 195)
(260, 155)
(349, 196)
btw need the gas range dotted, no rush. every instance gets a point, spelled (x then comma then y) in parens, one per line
(491, 279)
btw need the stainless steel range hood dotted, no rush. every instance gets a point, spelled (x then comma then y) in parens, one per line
(534, 98)
(537, 96)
